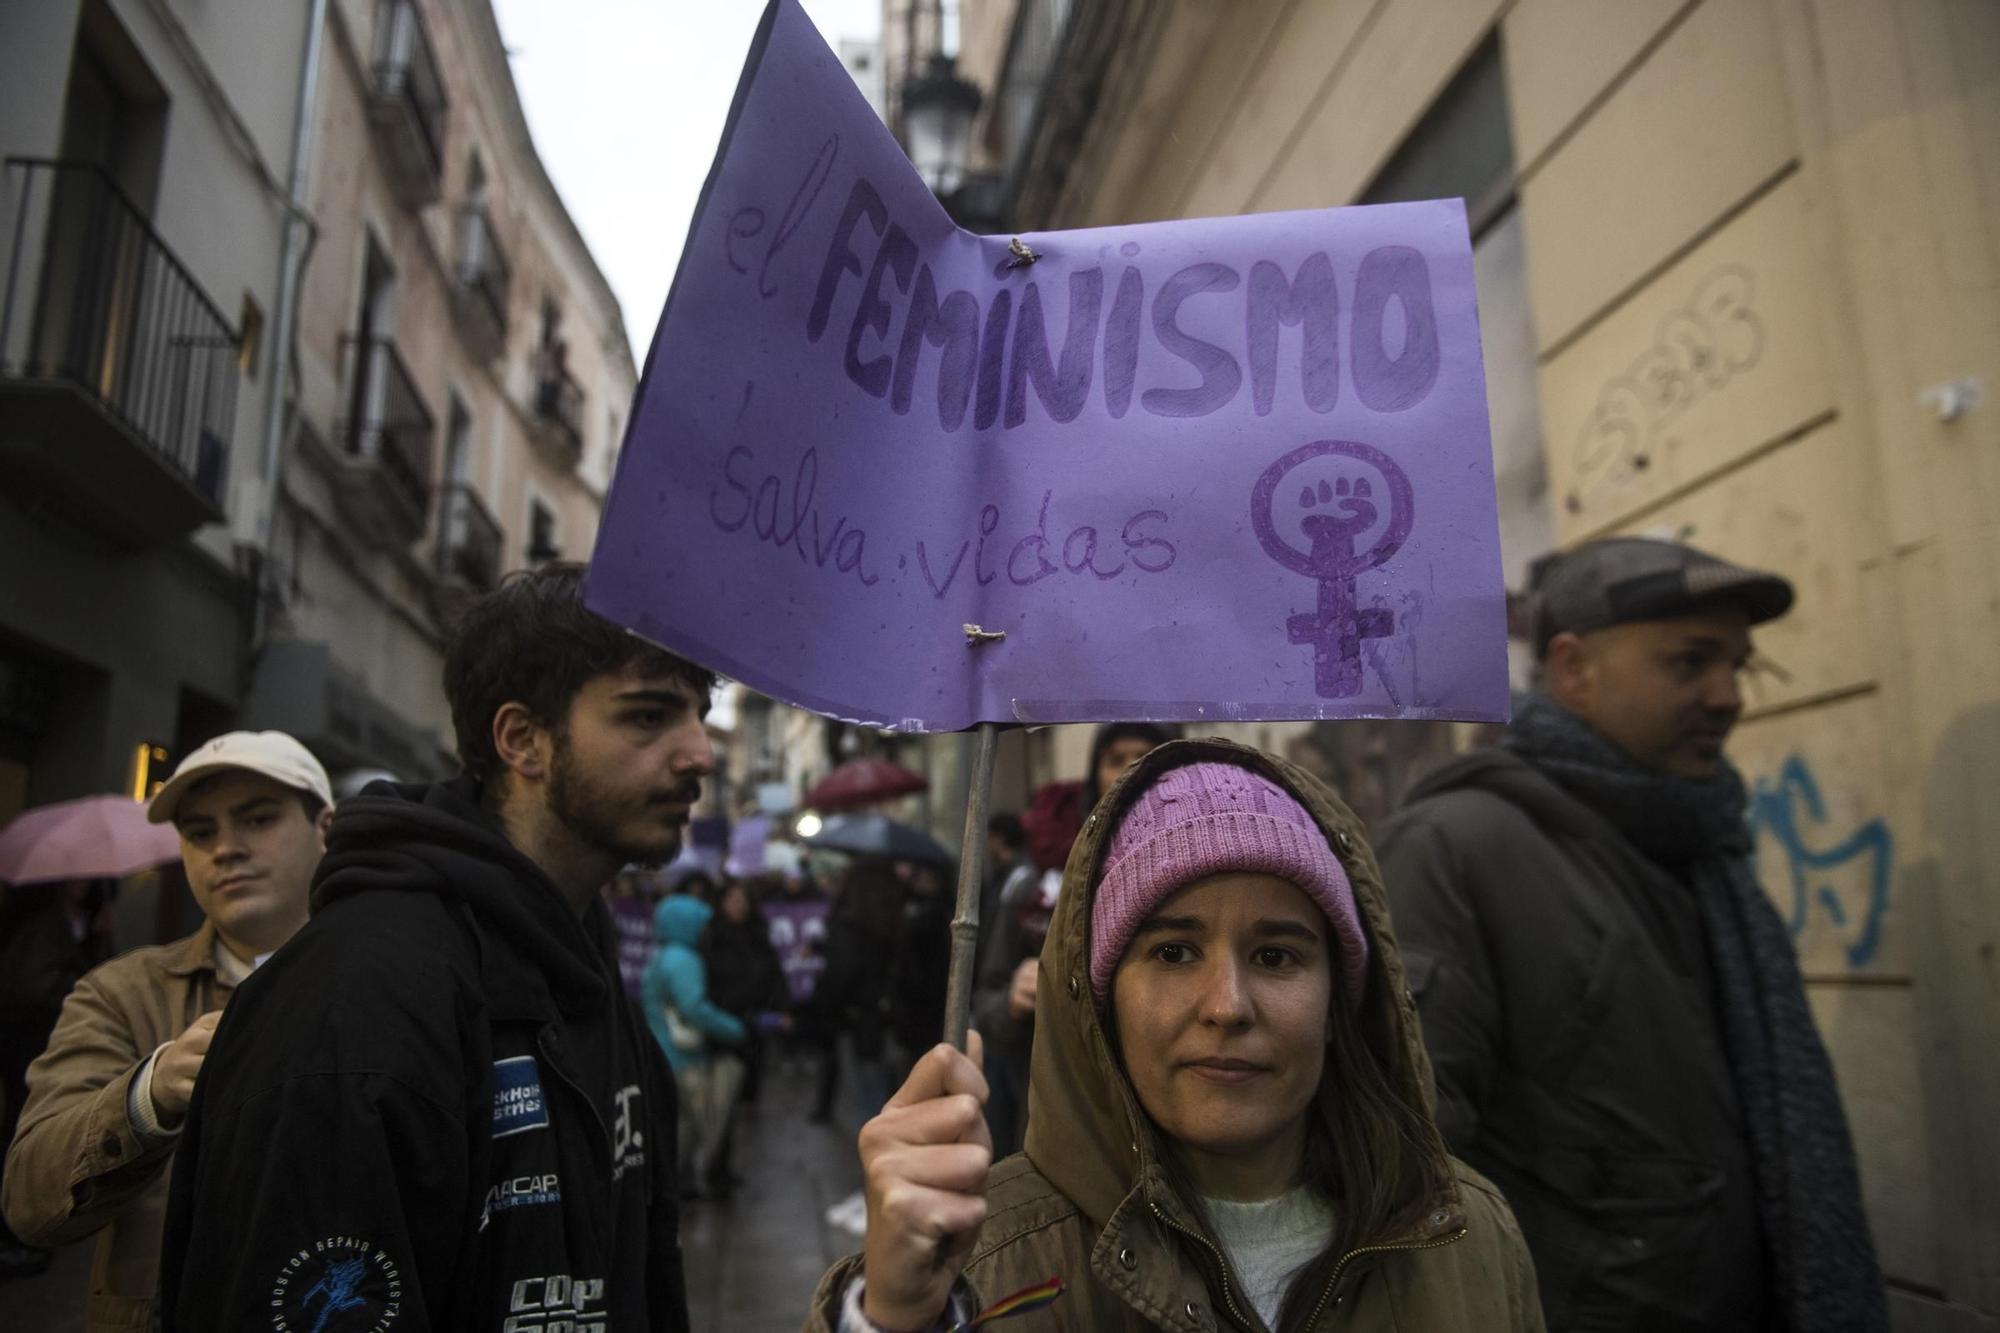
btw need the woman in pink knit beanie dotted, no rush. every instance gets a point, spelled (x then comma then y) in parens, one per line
(1229, 1106)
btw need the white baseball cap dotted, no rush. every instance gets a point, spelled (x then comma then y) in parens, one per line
(271, 753)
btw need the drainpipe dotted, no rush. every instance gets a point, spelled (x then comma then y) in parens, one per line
(290, 262)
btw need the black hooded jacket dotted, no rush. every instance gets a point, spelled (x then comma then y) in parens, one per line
(1567, 1003)
(434, 1108)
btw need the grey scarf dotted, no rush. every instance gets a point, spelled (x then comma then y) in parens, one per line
(1808, 1190)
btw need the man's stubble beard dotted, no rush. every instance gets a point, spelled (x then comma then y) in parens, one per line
(591, 816)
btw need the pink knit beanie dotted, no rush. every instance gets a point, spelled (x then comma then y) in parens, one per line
(1203, 819)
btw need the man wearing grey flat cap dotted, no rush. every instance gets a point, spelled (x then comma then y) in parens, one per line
(108, 1099)
(1612, 1006)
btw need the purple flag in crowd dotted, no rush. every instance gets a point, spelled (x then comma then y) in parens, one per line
(746, 846)
(632, 921)
(798, 925)
(1220, 469)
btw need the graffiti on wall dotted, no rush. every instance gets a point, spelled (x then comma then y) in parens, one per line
(1845, 881)
(1697, 350)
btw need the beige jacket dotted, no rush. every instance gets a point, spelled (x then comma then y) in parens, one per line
(76, 1165)
(1088, 1200)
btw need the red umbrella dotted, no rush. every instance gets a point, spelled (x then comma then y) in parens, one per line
(96, 837)
(860, 782)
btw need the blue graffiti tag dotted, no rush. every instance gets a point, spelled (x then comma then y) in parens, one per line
(1773, 809)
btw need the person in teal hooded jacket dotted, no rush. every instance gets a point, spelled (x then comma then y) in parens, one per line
(698, 1036)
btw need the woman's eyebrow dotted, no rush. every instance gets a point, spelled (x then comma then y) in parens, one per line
(1178, 925)
(1281, 928)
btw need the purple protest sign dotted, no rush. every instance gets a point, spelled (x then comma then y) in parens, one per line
(746, 846)
(632, 924)
(798, 929)
(1226, 469)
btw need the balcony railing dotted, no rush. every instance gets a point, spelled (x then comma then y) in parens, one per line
(387, 422)
(483, 280)
(96, 302)
(559, 407)
(409, 101)
(469, 540)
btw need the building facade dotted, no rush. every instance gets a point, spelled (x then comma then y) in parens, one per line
(143, 220)
(299, 350)
(462, 378)
(1738, 263)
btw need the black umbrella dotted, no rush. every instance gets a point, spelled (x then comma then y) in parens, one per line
(879, 835)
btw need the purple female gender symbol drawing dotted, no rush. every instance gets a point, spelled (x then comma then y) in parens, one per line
(1334, 517)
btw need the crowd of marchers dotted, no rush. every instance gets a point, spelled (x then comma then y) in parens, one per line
(1532, 1052)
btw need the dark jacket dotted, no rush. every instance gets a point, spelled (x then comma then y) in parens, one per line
(1008, 938)
(923, 964)
(852, 995)
(744, 976)
(1567, 1002)
(1089, 1200)
(1011, 935)
(436, 1099)
(41, 957)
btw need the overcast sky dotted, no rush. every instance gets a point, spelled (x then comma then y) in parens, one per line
(626, 100)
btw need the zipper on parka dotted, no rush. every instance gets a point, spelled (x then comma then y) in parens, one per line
(1221, 1263)
(1333, 1282)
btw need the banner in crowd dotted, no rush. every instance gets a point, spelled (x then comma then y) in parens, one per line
(798, 933)
(893, 472)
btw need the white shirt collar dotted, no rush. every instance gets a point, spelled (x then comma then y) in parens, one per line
(231, 970)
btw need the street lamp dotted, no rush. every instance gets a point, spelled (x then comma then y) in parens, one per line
(938, 108)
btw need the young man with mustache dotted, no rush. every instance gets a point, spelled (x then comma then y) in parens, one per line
(107, 1099)
(1611, 1003)
(438, 1108)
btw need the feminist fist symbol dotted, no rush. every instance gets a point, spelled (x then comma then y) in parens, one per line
(1336, 516)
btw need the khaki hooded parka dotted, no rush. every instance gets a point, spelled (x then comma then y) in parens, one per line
(1088, 1200)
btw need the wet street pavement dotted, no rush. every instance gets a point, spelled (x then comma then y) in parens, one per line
(752, 1261)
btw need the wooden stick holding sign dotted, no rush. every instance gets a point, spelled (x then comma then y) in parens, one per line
(971, 875)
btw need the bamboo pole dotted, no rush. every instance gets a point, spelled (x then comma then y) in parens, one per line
(971, 874)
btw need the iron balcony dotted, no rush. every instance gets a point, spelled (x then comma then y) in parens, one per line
(386, 441)
(479, 296)
(407, 103)
(118, 374)
(469, 542)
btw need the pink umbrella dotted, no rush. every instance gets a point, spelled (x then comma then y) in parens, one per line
(95, 837)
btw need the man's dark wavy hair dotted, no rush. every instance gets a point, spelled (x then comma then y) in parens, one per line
(532, 641)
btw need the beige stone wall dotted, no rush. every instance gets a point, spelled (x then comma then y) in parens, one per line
(1735, 330)
(1757, 231)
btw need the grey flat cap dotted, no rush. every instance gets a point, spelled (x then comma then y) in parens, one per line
(1621, 579)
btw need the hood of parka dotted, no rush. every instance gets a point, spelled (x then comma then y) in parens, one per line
(1087, 1134)
(680, 918)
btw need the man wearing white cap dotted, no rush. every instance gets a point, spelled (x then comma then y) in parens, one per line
(107, 1100)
